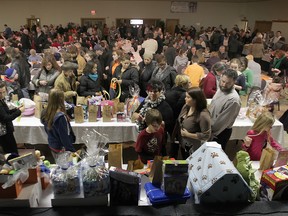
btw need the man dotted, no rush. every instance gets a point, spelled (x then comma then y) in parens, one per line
(66, 81)
(7, 32)
(195, 72)
(26, 42)
(224, 108)
(223, 54)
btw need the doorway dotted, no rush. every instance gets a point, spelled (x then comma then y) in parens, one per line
(93, 21)
(33, 21)
(170, 25)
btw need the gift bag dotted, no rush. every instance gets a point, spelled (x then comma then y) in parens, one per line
(107, 113)
(156, 173)
(93, 112)
(267, 159)
(120, 107)
(39, 106)
(81, 100)
(78, 114)
(135, 165)
(115, 155)
(116, 102)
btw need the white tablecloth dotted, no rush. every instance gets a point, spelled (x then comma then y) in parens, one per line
(30, 130)
(241, 126)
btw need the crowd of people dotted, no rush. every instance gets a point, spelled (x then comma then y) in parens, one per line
(176, 73)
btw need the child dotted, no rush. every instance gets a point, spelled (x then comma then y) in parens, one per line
(258, 137)
(150, 140)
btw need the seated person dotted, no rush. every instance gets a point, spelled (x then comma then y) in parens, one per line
(34, 59)
(150, 140)
(13, 86)
(90, 81)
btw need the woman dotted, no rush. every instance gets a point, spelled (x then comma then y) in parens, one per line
(280, 64)
(56, 124)
(257, 49)
(194, 121)
(165, 73)
(89, 82)
(211, 81)
(155, 100)
(181, 61)
(45, 78)
(146, 68)
(7, 140)
(126, 75)
(240, 83)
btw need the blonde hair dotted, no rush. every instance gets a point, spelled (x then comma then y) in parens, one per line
(264, 120)
(182, 80)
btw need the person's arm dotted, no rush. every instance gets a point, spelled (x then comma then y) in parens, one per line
(275, 144)
(51, 80)
(226, 118)
(210, 86)
(249, 79)
(63, 128)
(8, 117)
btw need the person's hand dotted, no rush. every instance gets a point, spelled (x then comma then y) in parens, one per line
(22, 108)
(43, 82)
(184, 132)
(247, 141)
(98, 93)
(140, 118)
(119, 81)
(107, 68)
(105, 76)
(74, 93)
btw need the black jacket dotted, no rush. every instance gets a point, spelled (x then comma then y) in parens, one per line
(88, 87)
(175, 97)
(7, 116)
(145, 76)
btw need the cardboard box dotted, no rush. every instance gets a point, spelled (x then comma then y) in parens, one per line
(34, 174)
(275, 182)
(11, 192)
(45, 181)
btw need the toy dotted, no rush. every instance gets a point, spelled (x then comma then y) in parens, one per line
(244, 166)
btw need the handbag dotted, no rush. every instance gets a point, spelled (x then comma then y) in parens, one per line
(3, 129)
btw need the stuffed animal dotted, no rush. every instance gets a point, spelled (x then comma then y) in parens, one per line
(244, 166)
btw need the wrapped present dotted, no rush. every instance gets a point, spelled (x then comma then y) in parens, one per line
(125, 187)
(95, 176)
(133, 103)
(157, 196)
(275, 183)
(214, 178)
(66, 177)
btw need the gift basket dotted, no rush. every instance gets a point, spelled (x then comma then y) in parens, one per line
(257, 104)
(66, 177)
(134, 102)
(95, 176)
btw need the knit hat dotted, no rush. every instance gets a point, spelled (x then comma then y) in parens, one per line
(10, 73)
(69, 66)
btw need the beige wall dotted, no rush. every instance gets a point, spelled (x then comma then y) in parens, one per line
(64, 11)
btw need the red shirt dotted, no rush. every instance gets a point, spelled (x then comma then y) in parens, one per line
(148, 145)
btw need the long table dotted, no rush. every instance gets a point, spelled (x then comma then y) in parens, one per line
(30, 130)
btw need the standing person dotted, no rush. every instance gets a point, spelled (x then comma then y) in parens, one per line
(12, 84)
(126, 75)
(164, 72)
(25, 42)
(45, 78)
(40, 40)
(194, 121)
(240, 83)
(211, 81)
(7, 141)
(195, 72)
(259, 136)
(66, 81)
(150, 140)
(56, 124)
(224, 108)
(181, 61)
(146, 68)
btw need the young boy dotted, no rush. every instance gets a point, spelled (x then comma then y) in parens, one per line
(149, 141)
